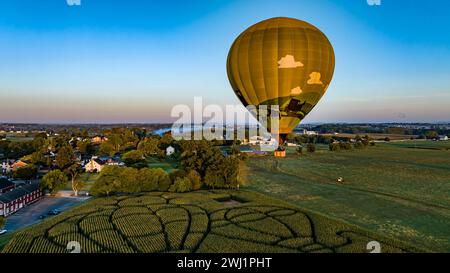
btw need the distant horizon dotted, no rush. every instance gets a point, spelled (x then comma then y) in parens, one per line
(238, 124)
(121, 62)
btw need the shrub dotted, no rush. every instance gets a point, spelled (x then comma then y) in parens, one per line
(181, 185)
(358, 145)
(334, 146)
(345, 145)
(299, 149)
(387, 139)
(311, 147)
(372, 143)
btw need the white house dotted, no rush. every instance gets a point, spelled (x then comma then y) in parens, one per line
(443, 138)
(7, 166)
(170, 150)
(94, 165)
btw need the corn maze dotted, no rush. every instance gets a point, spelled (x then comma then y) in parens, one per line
(193, 222)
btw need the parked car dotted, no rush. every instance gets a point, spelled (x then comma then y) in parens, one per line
(54, 212)
(3, 231)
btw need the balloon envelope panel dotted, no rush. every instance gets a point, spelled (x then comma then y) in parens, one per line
(281, 61)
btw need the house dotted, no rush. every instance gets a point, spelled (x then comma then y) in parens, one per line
(443, 138)
(98, 139)
(7, 166)
(18, 164)
(6, 185)
(267, 144)
(170, 150)
(16, 199)
(94, 165)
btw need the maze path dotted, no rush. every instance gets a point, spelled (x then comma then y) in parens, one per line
(165, 223)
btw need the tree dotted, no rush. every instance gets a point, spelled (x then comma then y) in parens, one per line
(26, 172)
(195, 179)
(65, 157)
(213, 178)
(133, 157)
(83, 146)
(163, 179)
(149, 146)
(230, 170)
(299, 150)
(311, 147)
(147, 180)
(127, 180)
(107, 148)
(54, 180)
(73, 171)
(181, 185)
(108, 181)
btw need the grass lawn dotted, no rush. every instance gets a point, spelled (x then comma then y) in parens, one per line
(203, 221)
(167, 165)
(399, 189)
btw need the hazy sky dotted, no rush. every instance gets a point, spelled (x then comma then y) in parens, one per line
(132, 61)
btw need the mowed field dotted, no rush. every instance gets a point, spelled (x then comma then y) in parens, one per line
(204, 221)
(399, 189)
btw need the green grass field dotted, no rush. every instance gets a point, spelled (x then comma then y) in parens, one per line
(165, 164)
(399, 189)
(205, 221)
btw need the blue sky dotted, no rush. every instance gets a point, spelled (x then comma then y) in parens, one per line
(132, 61)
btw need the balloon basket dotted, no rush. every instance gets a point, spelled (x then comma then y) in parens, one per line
(280, 154)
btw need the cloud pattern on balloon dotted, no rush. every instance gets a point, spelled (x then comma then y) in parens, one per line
(289, 61)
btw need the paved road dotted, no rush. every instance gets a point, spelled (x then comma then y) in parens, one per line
(30, 214)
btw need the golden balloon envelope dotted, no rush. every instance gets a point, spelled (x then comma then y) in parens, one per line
(281, 61)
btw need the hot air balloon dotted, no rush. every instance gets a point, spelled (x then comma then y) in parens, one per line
(281, 62)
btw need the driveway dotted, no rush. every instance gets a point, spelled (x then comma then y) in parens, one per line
(30, 214)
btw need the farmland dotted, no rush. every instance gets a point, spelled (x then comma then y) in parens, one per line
(204, 221)
(398, 189)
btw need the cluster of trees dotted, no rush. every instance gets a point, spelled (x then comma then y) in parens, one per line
(360, 143)
(215, 169)
(202, 165)
(114, 179)
(66, 168)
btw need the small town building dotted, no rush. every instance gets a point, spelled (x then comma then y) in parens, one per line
(18, 164)
(16, 199)
(94, 165)
(170, 150)
(443, 138)
(7, 166)
(6, 185)
(98, 139)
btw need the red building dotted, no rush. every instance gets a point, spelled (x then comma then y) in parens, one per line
(16, 199)
(6, 185)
